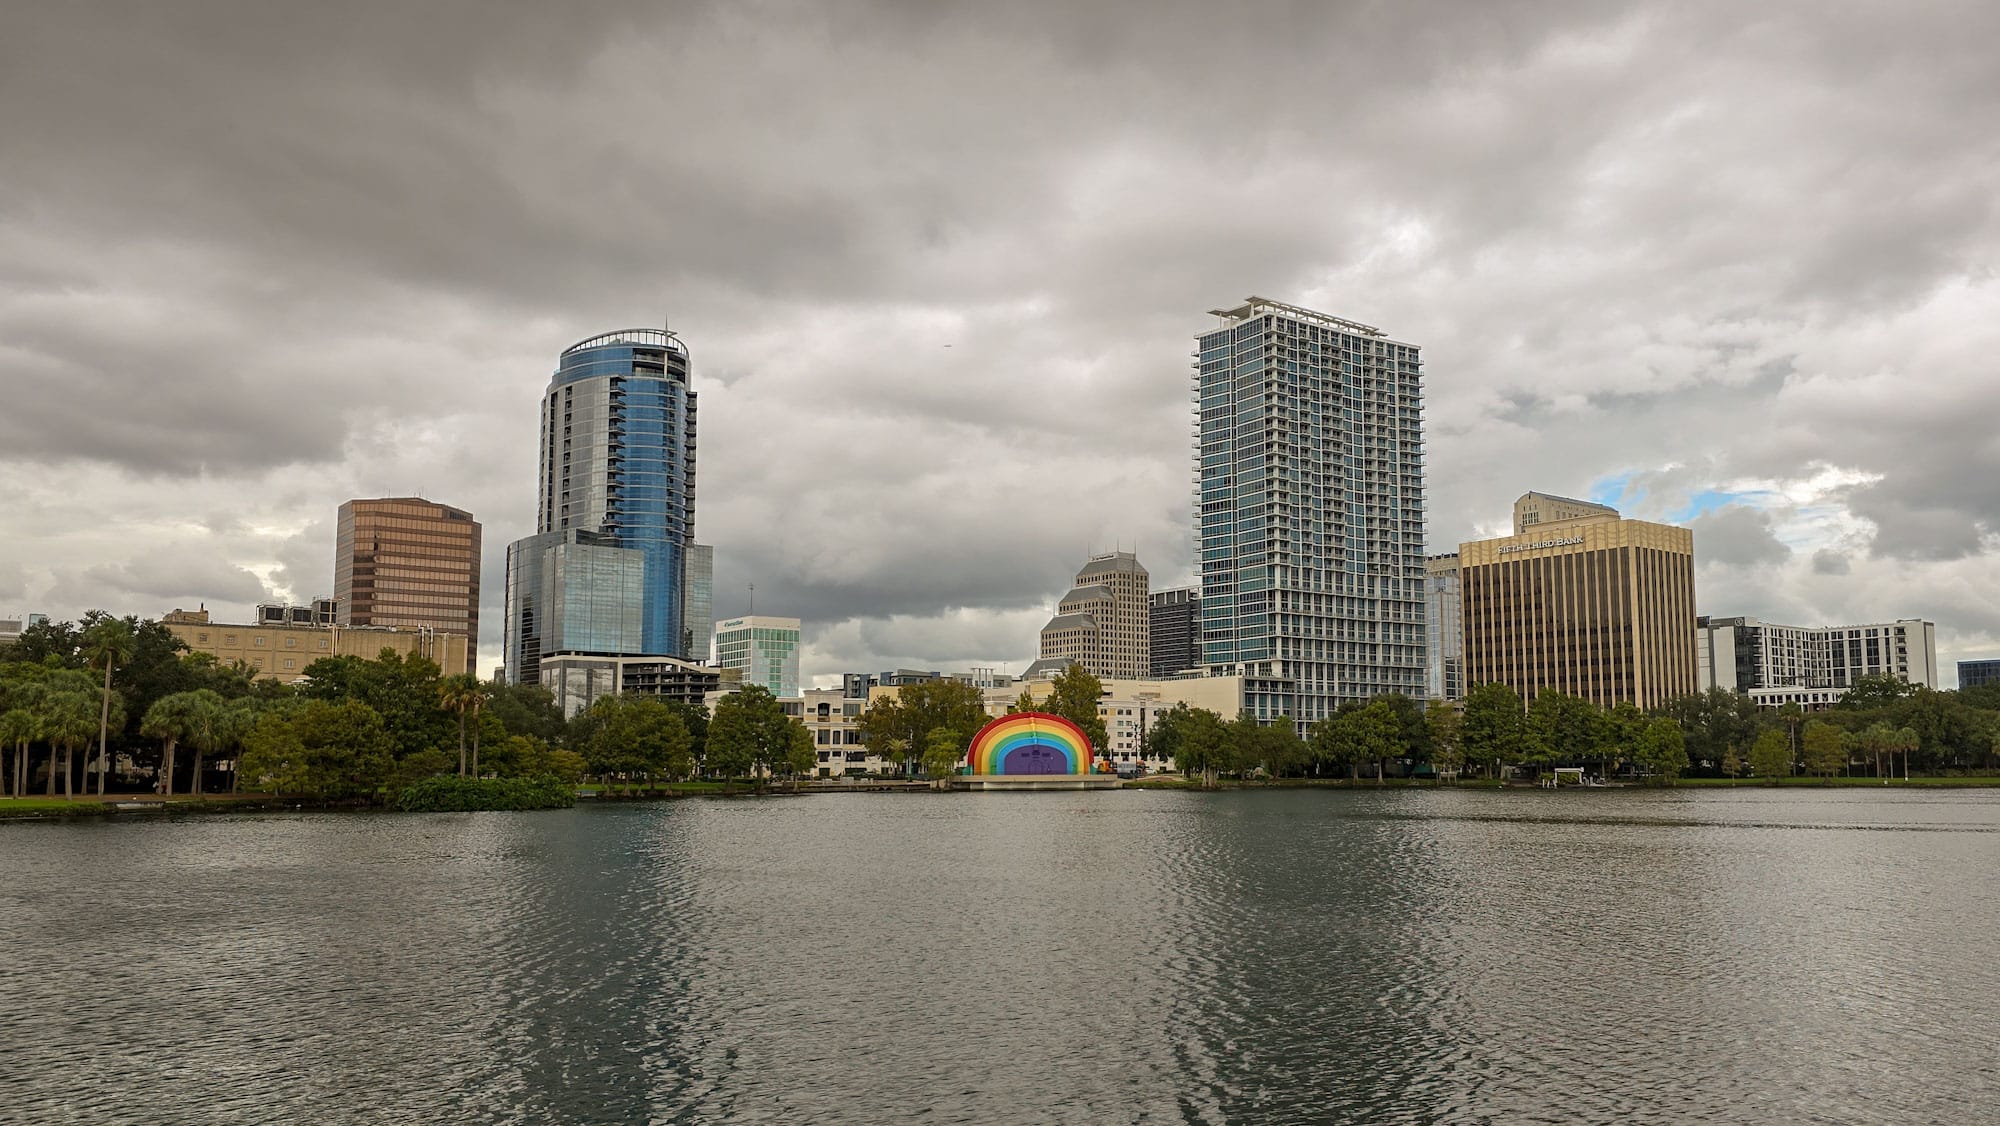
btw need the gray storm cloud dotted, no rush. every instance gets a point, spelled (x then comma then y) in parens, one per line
(939, 267)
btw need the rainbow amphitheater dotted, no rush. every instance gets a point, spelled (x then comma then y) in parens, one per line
(1031, 751)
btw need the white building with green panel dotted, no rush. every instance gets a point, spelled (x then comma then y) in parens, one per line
(764, 649)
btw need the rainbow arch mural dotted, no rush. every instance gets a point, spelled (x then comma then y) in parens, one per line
(1029, 743)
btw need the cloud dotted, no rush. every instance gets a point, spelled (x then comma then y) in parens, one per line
(256, 260)
(1737, 535)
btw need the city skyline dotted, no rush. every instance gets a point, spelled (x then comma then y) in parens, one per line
(878, 347)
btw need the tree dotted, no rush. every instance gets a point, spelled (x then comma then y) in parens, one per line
(459, 694)
(1490, 729)
(1825, 748)
(1202, 745)
(1771, 756)
(1713, 721)
(1073, 695)
(749, 730)
(1169, 731)
(1663, 750)
(1441, 721)
(323, 749)
(526, 709)
(637, 735)
(898, 727)
(1877, 690)
(1412, 732)
(68, 720)
(178, 719)
(1563, 728)
(943, 754)
(108, 642)
(1275, 747)
(1903, 740)
(1377, 733)
(18, 728)
(801, 755)
(1732, 763)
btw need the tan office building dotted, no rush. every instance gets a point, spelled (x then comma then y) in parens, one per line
(407, 563)
(1104, 623)
(1595, 606)
(283, 651)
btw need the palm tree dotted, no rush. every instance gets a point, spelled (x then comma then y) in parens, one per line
(18, 728)
(177, 719)
(459, 694)
(68, 724)
(211, 730)
(1906, 741)
(108, 640)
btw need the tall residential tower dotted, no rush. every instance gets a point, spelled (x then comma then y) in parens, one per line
(1309, 494)
(606, 571)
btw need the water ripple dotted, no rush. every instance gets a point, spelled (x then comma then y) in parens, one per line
(1385, 957)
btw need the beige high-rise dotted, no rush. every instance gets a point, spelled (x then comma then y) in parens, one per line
(1548, 508)
(407, 563)
(1595, 606)
(1104, 623)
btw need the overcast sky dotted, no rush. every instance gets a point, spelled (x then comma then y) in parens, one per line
(940, 266)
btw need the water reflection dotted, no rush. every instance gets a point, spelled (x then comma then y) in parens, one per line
(1392, 957)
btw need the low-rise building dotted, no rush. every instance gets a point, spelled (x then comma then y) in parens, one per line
(834, 719)
(286, 639)
(1978, 674)
(578, 679)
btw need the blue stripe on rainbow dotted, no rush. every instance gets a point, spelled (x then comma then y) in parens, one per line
(1030, 743)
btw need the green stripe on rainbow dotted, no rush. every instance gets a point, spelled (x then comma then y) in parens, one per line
(1030, 743)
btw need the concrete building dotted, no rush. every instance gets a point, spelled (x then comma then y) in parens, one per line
(1309, 479)
(763, 649)
(700, 599)
(1595, 606)
(578, 679)
(1978, 674)
(12, 628)
(1810, 666)
(1104, 623)
(407, 563)
(834, 719)
(1175, 632)
(1548, 508)
(294, 637)
(606, 571)
(1444, 629)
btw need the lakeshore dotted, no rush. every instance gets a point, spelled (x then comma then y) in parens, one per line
(142, 806)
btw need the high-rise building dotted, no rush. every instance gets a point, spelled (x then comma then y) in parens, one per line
(1811, 666)
(407, 563)
(1309, 471)
(606, 572)
(1978, 674)
(1175, 622)
(1104, 623)
(1443, 629)
(700, 598)
(1596, 606)
(764, 650)
(1548, 508)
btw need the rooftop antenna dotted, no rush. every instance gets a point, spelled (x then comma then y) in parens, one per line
(753, 600)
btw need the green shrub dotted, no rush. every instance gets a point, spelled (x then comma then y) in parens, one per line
(449, 793)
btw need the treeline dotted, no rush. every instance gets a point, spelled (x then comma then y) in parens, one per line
(349, 728)
(1883, 723)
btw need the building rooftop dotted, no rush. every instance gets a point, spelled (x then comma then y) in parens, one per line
(1258, 306)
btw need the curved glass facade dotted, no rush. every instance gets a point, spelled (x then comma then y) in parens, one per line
(617, 466)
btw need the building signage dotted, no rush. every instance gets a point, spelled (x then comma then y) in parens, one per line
(1567, 541)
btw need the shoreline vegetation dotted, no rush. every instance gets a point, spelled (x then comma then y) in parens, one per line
(449, 794)
(113, 716)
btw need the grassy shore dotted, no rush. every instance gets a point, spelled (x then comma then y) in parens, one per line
(1918, 782)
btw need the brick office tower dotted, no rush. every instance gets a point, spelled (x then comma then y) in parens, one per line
(408, 563)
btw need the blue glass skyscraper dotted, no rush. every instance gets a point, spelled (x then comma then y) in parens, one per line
(606, 570)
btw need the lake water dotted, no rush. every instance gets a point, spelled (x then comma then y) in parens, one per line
(1297, 956)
